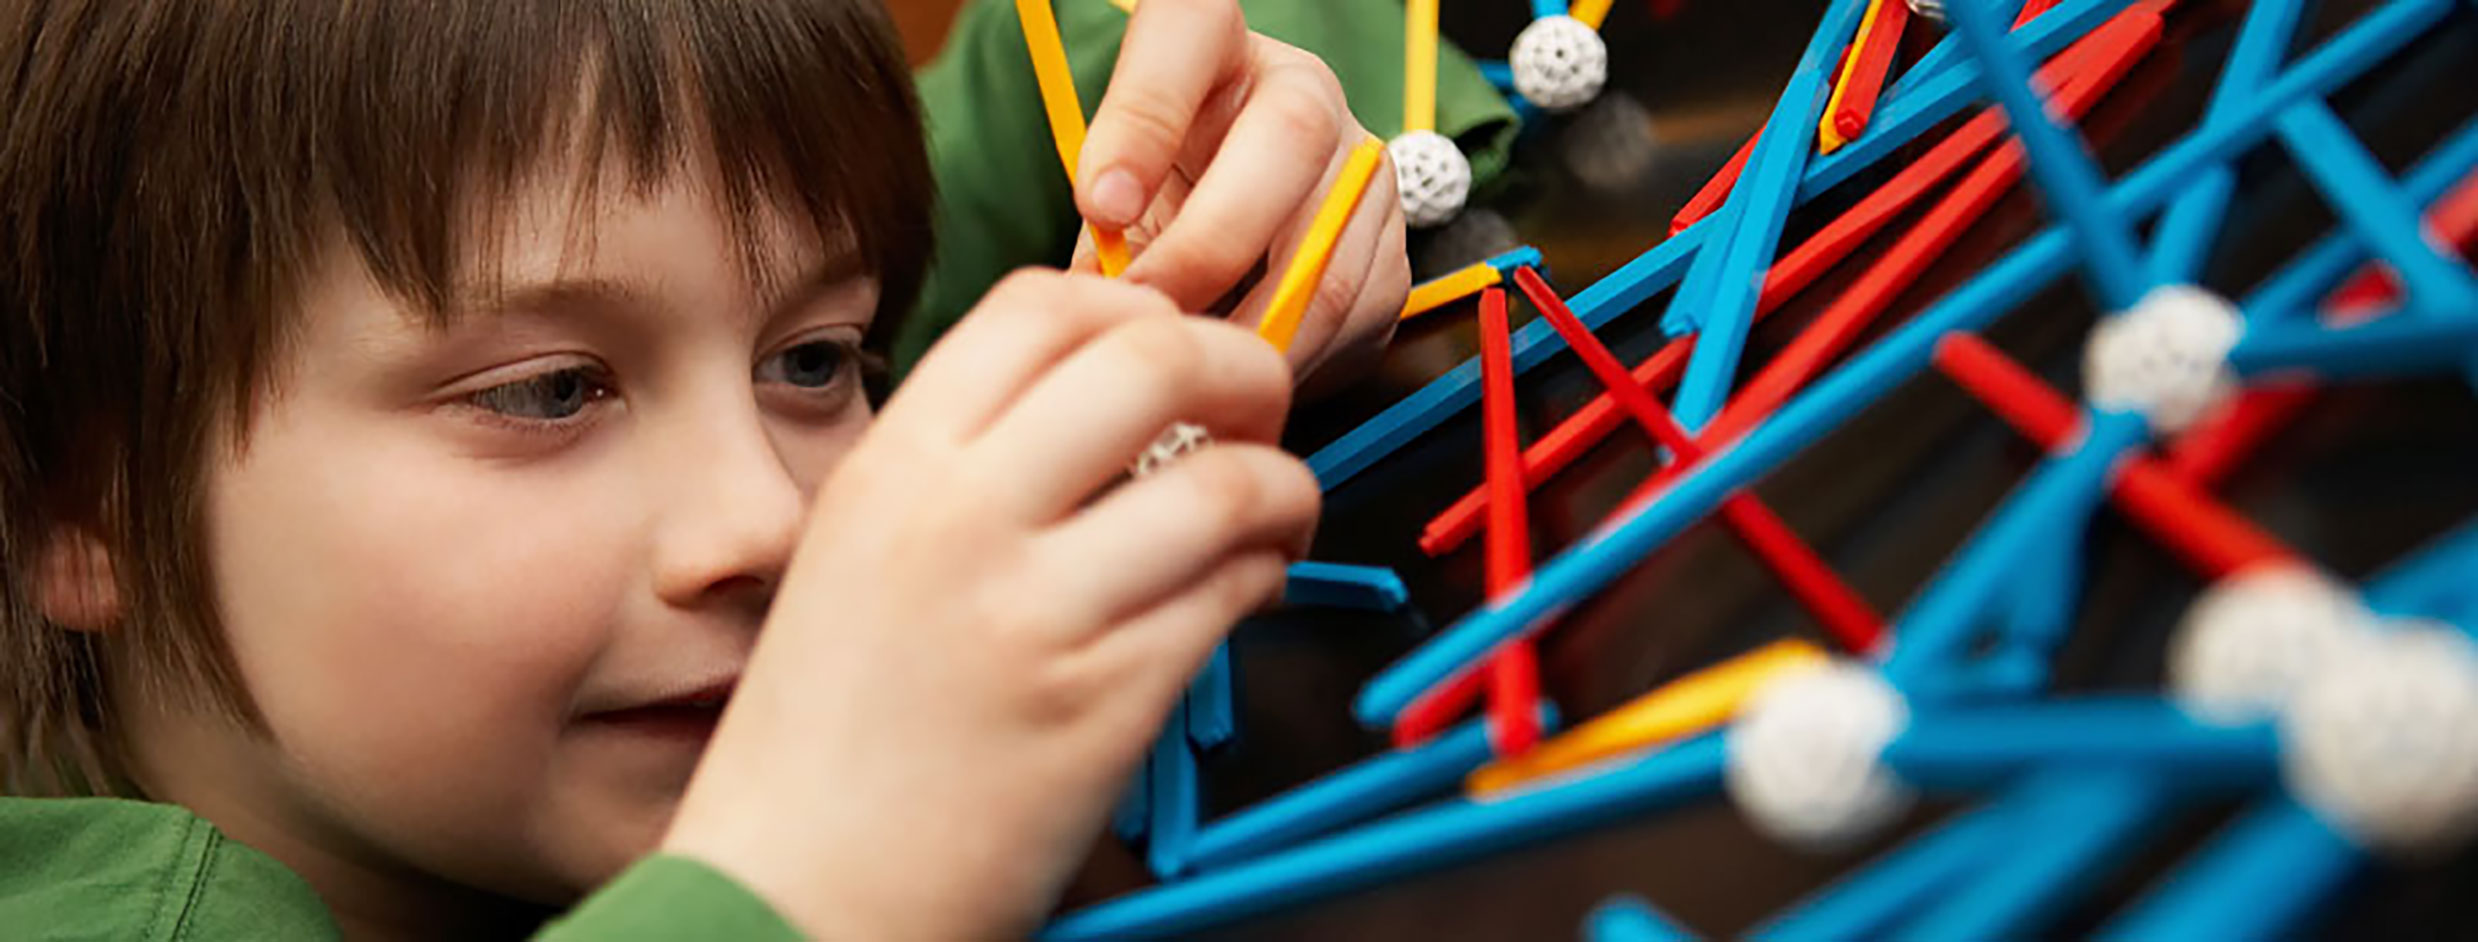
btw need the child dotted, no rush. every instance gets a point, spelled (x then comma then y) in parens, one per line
(418, 422)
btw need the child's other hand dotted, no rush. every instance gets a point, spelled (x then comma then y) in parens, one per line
(979, 635)
(1213, 149)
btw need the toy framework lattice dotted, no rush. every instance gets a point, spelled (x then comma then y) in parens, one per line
(2348, 708)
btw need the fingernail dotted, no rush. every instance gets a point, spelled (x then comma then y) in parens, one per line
(1117, 199)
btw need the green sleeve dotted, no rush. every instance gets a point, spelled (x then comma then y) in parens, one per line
(108, 869)
(666, 897)
(1004, 203)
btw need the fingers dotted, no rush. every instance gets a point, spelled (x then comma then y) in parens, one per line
(1367, 264)
(1077, 427)
(1368, 323)
(1152, 539)
(1285, 142)
(1019, 331)
(1176, 54)
(1161, 649)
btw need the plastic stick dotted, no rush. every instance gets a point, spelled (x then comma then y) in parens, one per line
(1726, 279)
(2211, 538)
(2259, 879)
(1631, 919)
(1414, 842)
(1971, 747)
(2392, 346)
(1840, 609)
(1715, 190)
(1307, 265)
(1949, 614)
(2384, 216)
(1866, 903)
(1588, 426)
(1591, 12)
(1688, 706)
(2071, 829)
(1514, 680)
(2068, 178)
(1854, 96)
(2295, 289)
(1212, 707)
(1175, 804)
(2182, 241)
(1659, 268)
(1541, 8)
(1635, 531)
(1058, 100)
(1336, 585)
(1371, 787)
(1454, 286)
(1419, 66)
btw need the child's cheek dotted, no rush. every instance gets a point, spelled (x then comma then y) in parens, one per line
(415, 623)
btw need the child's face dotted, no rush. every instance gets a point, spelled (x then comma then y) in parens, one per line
(486, 582)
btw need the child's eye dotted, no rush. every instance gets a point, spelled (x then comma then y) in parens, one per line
(545, 397)
(816, 364)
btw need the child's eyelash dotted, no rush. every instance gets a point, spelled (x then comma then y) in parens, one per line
(556, 400)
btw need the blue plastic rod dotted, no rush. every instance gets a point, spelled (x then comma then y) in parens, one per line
(1964, 748)
(2182, 243)
(2070, 182)
(2070, 830)
(2382, 215)
(1866, 903)
(2299, 286)
(2392, 346)
(1632, 919)
(1896, 123)
(1379, 784)
(2435, 581)
(1542, 8)
(1212, 703)
(1175, 803)
(1414, 842)
(2260, 879)
(1728, 275)
(1952, 612)
(1615, 546)
(1340, 585)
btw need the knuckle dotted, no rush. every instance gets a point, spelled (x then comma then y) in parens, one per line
(1229, 494)
(1300, 110)
(1151, 116)
(1218, 262)
(1163, 351)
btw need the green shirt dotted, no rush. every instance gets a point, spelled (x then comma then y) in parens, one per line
(111, 869)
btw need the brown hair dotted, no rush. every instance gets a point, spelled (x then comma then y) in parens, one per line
(169, 170)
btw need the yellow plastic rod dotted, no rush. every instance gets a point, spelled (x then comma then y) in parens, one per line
(1683, 707)
(1298, 285)
(1828, 132)
(1591, 12)
(1419, 66)
(1461, 283)
(1058, 98)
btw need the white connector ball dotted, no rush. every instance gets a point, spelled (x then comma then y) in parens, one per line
(2383, 742)
(1806, 756)
(2167, 358)
(1931, 9)
(2254, 637)
(1559, 63)
(1432, 175)
(1181, 438)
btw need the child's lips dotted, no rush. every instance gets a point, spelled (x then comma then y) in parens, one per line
(690, 715)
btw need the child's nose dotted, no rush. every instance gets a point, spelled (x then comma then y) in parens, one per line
(731, 520)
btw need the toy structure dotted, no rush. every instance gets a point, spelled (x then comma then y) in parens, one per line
(2341, 715)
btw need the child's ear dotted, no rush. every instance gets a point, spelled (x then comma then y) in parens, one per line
(76, 585)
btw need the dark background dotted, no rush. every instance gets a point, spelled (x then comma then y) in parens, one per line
(2368, 472)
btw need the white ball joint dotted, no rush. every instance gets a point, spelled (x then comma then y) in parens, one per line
(1180, 439)
(2383, 742)
(1559, 63)
(1806, 756)
(2167, 358)
(1432, 175)
(2253, 638)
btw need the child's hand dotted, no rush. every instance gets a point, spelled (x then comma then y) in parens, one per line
(971, 649)
(1213, 148)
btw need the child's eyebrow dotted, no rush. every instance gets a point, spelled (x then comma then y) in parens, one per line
(583, 293)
